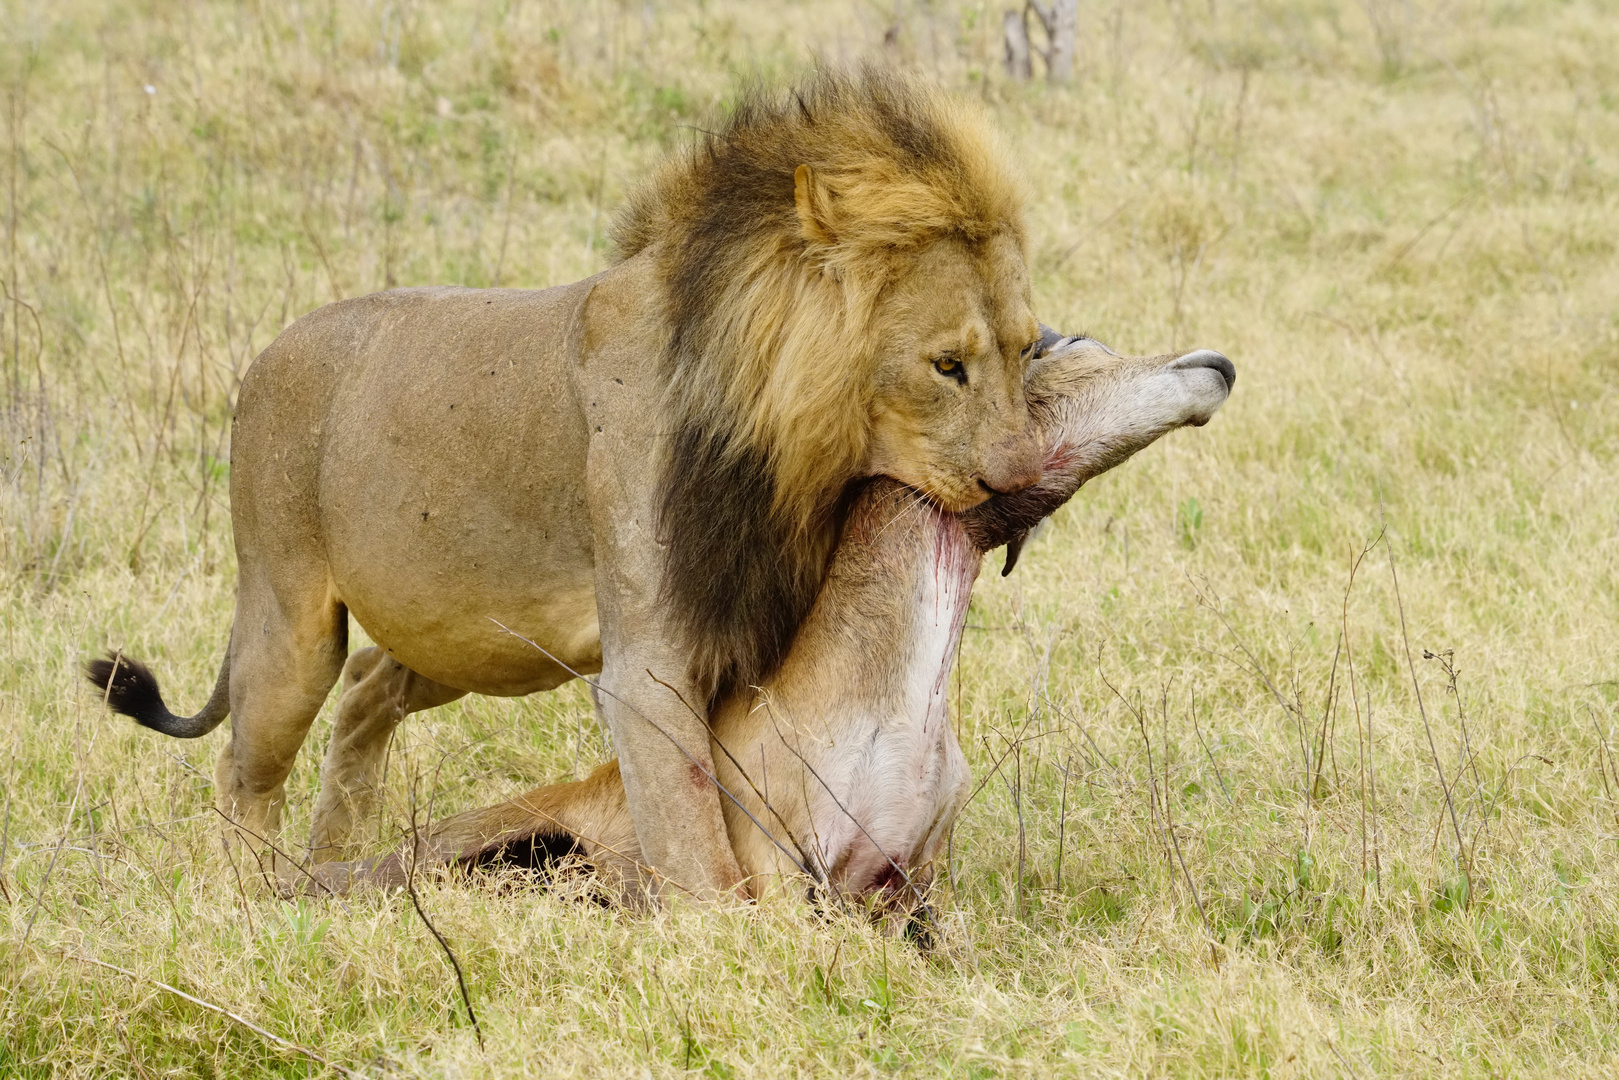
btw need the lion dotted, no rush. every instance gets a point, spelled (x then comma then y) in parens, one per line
(641, 475)
(843, 767)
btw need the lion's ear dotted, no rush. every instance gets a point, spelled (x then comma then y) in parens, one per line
(814, 204)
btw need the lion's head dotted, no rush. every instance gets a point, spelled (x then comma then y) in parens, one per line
(845, 295)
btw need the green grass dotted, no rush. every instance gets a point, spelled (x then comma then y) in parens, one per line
(1402, 223)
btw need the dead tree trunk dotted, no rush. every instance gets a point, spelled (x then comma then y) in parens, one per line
(1060, 32)
(1060, 21)
(1019, 64)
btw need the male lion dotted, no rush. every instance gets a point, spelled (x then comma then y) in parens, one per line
(843, 765)
(643, 474)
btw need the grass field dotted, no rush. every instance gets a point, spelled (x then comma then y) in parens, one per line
(1246, 810)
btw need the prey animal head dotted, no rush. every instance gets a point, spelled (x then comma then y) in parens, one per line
(1095, 408)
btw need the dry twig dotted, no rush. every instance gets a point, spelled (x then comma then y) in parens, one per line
(416, 902)
(285, 1044)
(1433, 749)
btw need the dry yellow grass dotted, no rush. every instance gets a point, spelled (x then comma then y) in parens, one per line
(1400, 219)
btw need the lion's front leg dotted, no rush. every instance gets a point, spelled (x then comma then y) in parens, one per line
(652, 705)
(668, 771)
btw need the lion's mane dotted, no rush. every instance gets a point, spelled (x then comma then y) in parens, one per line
(770, 357)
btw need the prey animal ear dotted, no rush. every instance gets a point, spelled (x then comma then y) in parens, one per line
(814, 203)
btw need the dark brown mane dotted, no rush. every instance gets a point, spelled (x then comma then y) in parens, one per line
(750, 483)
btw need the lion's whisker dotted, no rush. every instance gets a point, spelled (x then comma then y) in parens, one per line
(917, 497)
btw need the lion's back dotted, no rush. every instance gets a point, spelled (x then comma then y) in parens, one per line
(359, 393)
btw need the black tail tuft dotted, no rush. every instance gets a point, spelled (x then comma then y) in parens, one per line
(130, 688)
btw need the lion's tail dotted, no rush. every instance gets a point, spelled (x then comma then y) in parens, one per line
(131, 689)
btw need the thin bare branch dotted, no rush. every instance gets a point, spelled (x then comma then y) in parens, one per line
(1433, 749)
(416, 902)
(285, 1044)
(704, 769)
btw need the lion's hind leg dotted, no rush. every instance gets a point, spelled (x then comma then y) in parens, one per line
(377, 693)
(283, 663)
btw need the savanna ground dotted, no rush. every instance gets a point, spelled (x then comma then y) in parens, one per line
(1234, 817)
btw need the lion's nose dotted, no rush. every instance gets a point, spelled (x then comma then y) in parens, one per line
(1013, 473)
(1208, 358)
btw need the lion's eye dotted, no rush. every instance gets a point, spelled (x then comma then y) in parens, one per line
(952, 368)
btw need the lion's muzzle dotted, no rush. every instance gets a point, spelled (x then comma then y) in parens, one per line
(1013, 465)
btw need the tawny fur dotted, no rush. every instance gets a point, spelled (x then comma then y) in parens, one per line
(640, 474)
(843, 764)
